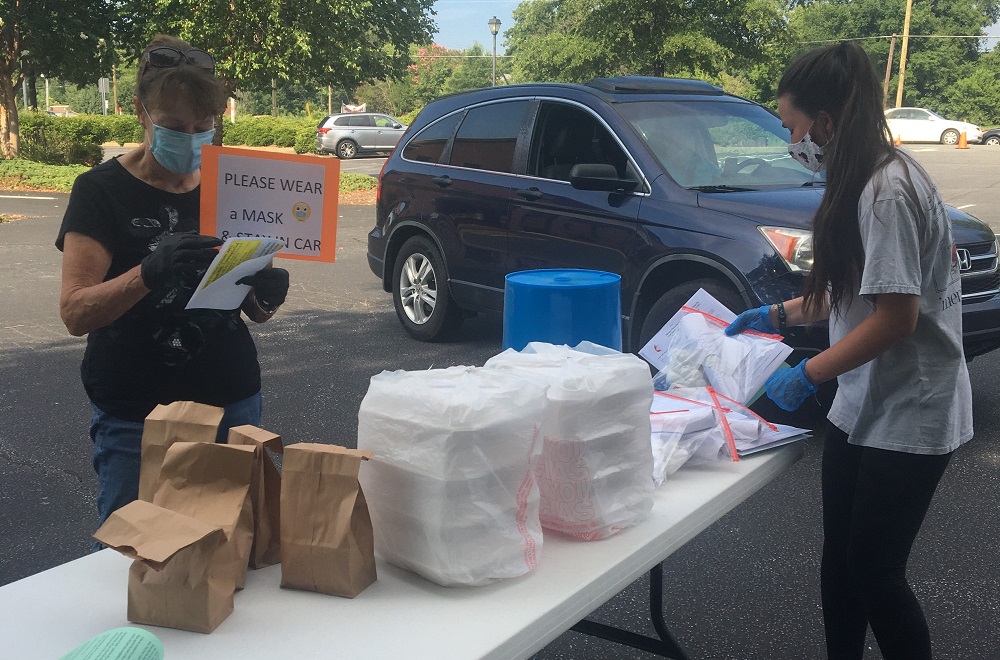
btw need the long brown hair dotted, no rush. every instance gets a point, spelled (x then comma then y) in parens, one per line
(840, 80)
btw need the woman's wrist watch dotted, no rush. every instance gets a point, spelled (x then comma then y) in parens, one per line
(782, 323)
(266, 309)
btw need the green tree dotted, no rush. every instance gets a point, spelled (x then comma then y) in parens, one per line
(934, 66)
(68, 39)
(431, 68)
(549, 42)
(976, 97)
(573, 40)
(328, 42)
(473, 71)
(393, 96)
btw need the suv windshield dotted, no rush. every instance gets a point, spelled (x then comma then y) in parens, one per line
(718, 146)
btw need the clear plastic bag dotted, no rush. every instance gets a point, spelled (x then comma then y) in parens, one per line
(699, 354)
(451, 489)
(595, 472)
(676, 434)
(739, 429)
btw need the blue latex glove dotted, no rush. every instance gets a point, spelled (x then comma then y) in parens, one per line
(758, 319)
(789, 388)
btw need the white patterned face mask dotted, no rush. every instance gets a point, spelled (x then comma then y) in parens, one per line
(807, 152)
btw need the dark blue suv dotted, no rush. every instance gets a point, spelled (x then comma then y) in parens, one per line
(673, 184)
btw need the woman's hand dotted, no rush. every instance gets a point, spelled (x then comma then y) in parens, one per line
(270, 288)
(758, 319)
(789, 388)
(175, 252)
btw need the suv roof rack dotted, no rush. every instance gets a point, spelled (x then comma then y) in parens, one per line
(652, 85)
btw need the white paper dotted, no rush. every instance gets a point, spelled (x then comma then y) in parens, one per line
(768, 438)
(237, 258)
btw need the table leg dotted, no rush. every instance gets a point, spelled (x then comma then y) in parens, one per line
(666, 646)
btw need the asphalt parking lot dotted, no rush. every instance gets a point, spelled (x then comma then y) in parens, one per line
(746, 588)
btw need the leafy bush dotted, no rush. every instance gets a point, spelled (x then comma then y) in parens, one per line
(123, 128)
(62, 140)
(21, 173)
(408, 118)
(285, 133)
(250, 131)
(305, 140)
(351, 182)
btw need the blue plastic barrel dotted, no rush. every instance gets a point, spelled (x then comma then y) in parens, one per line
(562, 306)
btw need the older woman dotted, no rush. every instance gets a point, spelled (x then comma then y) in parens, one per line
(131, 259)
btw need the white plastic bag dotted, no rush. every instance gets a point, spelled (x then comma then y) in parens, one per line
(595, 473)
(678, 432)
(451, 489)
(692, 350)
(740, 431)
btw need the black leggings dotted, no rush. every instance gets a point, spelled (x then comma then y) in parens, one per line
(874, 502)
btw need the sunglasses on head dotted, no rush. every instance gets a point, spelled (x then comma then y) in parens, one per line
(164, 57)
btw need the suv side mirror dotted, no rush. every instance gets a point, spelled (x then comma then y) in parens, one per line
(599, 177)
(397, 126)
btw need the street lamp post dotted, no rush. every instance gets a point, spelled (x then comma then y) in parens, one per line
(494, 24)
(46, 79)
(24, 80)
(104, 83)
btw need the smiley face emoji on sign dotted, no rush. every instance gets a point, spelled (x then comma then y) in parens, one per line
(301, 211)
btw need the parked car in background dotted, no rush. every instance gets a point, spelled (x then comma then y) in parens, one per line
(351, 133)
(991, 137)
(922, 125)
(673, 184)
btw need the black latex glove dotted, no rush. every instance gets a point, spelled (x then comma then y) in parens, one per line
(175, 253)
(270, 286)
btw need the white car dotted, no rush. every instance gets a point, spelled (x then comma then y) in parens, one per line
(921, 125)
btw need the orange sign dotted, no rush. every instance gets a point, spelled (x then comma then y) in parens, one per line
(293, 198)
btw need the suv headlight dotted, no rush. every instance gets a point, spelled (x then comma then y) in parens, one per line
(794, 246)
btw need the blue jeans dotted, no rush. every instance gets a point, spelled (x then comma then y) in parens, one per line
(118, 449)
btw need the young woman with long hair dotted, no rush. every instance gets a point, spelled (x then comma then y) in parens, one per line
(886, 276)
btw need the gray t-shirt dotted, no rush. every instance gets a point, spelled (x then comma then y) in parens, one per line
(915, 397)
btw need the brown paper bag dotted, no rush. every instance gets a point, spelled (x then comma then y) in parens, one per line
(173, 582)
(211, 482)
(327, 543)
(265, 493)
(181, 420)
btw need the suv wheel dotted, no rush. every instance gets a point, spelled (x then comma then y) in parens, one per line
(420, 292)
(993, 141)
(347, 149)
(671, 301)
(949, 137)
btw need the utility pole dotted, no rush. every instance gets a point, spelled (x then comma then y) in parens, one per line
(902, 53)
(888, 72)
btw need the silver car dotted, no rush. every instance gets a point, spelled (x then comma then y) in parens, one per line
(351, 133)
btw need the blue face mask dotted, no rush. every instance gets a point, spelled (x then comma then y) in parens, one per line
(176, 151)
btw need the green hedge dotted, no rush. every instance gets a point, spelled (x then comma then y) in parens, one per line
(62, 140)
(305, 140)
(266, 131)
(24, 174)
(77, 140)
(408, 118)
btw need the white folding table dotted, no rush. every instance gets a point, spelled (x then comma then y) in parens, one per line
(401, 615)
